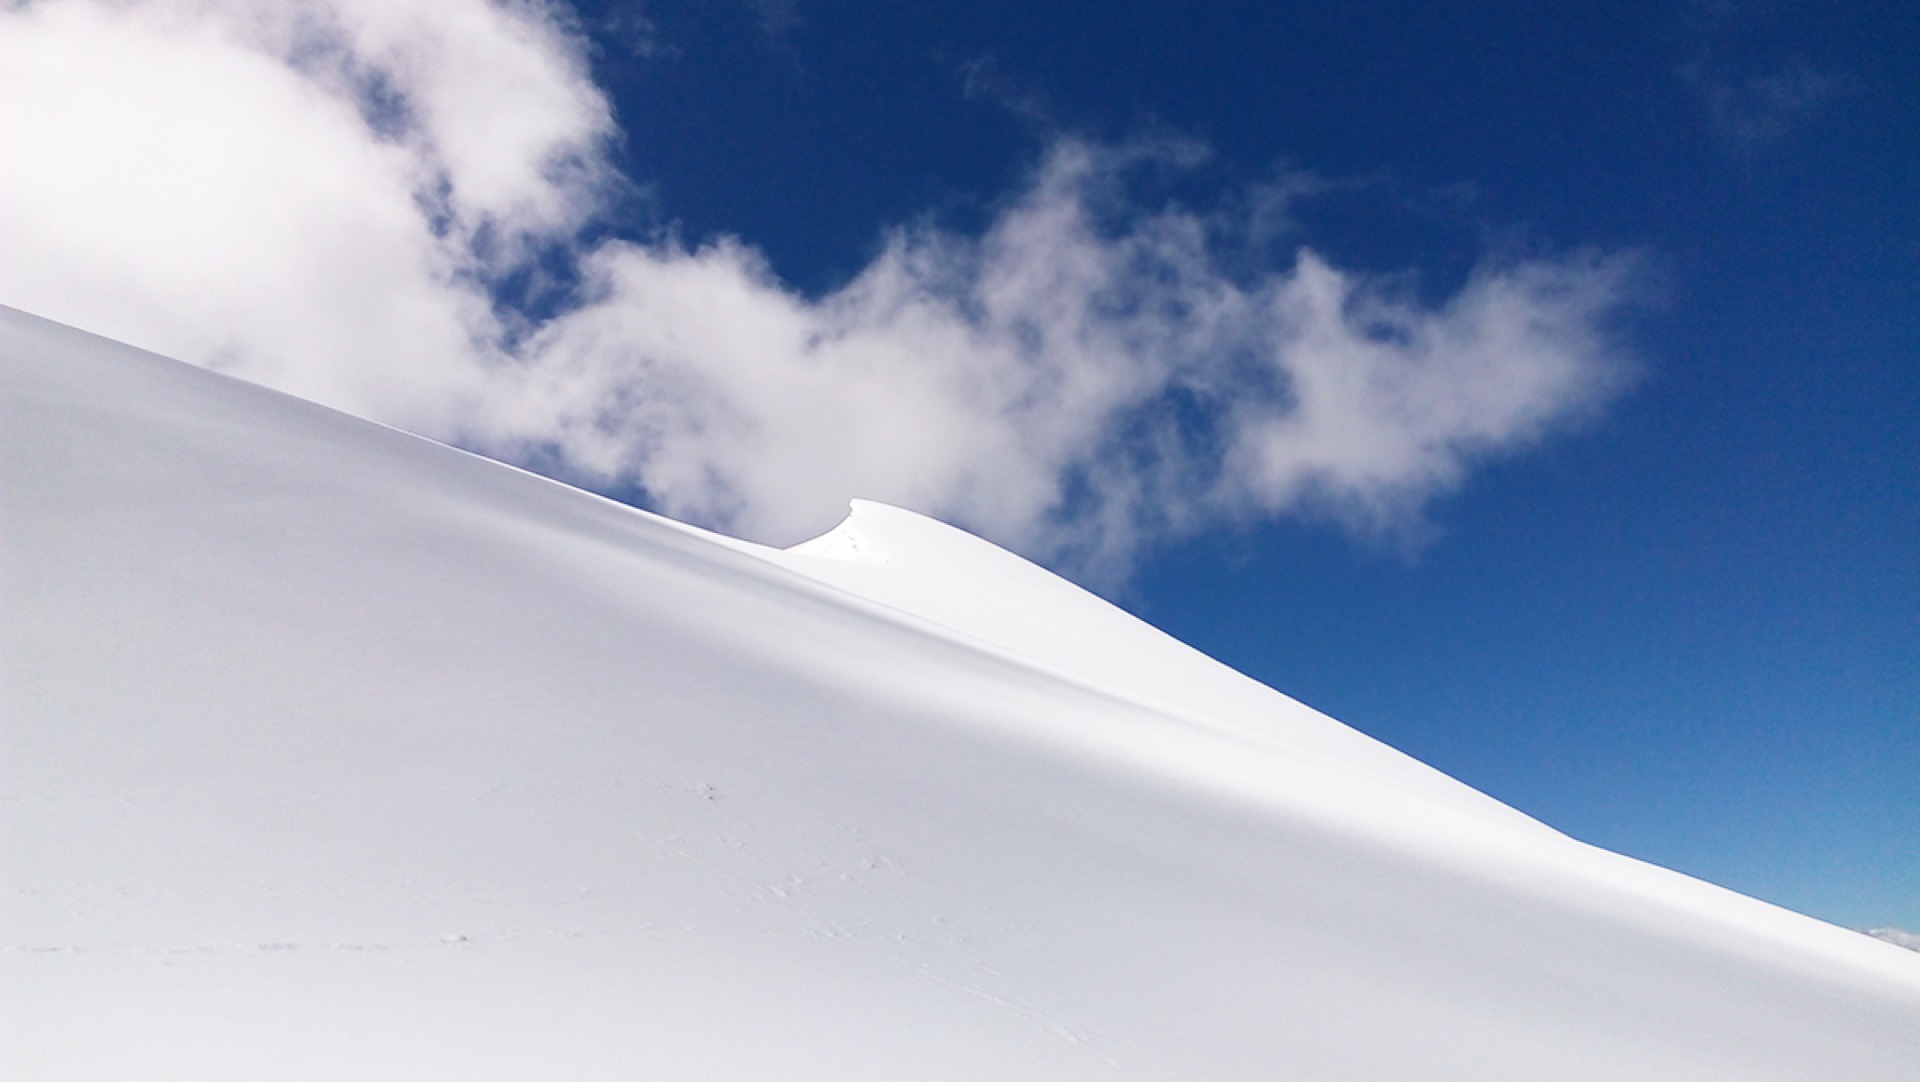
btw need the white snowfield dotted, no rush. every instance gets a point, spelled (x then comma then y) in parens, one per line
(332, 753)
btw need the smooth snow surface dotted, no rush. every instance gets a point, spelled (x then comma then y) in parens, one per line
(331, 753)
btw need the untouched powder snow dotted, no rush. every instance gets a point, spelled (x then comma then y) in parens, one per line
(1009, 606)
(331, 753)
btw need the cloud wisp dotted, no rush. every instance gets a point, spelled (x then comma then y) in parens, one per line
(1899, 937)
(329, 199)
(1758, 111)
(1755, 91)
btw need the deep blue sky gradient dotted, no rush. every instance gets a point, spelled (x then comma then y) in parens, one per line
(1690, 632)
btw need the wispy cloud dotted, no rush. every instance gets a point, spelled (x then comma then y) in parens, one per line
(1897, 936)
(1754, 90)
(777, 18)
(1755, 111)
(633, 33)
(328, 197)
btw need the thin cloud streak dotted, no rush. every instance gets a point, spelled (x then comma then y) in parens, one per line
(1757, 112)
(1754, 91)
(1899, 937)
(326, 198)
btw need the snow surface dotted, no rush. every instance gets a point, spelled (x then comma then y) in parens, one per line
(330, 753)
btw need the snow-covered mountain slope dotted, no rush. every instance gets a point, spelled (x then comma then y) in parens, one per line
(328, 752)
(1006, 605)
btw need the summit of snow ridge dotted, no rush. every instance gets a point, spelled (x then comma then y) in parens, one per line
(967, 586)
(880, 533)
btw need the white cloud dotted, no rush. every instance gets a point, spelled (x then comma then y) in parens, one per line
(321, 197)
(1898, 937)
(313, 196)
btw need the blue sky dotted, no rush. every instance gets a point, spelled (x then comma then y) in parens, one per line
(1619, 521)
(1690, 632)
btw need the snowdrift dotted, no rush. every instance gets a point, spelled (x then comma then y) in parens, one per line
(333, 753)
